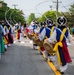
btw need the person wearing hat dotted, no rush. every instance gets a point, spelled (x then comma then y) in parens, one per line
(43, 35)
(51, 27)
(59, 37)
(35, 31)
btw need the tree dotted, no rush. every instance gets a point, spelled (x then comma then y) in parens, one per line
(70, 16)
(17, 15)
(31, 18)
(48, 14)
(2, 10)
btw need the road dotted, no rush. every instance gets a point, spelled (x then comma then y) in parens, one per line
(22, 59)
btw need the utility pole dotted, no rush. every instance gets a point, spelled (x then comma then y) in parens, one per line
(50, 7)
(57, 9)
(57, 6)
(15, 6)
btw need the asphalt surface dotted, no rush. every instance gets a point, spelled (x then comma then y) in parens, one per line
(22, 59)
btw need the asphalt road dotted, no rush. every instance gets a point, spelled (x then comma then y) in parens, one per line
(22, 59)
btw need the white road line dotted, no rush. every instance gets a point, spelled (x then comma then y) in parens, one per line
(14, 41)
(31, 41)
(22, 42)
(68, 44)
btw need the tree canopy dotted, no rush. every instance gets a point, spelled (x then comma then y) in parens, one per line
(17, 14)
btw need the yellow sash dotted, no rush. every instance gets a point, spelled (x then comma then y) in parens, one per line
(59, 44)
(9, 28)
(52, 31)
(4, 27)
(17, 32)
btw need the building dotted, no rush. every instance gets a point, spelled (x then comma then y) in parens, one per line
(2, 4)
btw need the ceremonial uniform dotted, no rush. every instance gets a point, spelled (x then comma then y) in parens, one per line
(1, 40)
(60, 36)
(10, 36)
(44, 33)
(34, 31)
(18, 32)
(5, 36)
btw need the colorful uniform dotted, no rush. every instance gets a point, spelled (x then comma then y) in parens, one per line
(10, 36)
(5, 36)
(1, 41)
(18, 32)
(59, 35)
(44, 34)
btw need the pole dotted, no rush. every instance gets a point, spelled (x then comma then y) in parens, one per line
(57, 9)
(56, 12)
(15, 6)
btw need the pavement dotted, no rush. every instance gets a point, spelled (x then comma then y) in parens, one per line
(22, 59)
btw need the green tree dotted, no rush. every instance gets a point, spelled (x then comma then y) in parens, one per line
(70, 16)
(2, 10)
(48, 14)
(31, 18)
(17, 14)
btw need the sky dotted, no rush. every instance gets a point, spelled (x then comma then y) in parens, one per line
(39, 6)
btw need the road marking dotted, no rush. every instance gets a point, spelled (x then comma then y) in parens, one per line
(31, 41)
(52, 66)
(22, 42)
(14, 41)
(68, 44)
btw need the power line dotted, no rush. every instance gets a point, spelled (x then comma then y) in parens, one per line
(40, 4)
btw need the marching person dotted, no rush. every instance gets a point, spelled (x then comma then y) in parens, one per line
(59, 37)
(36, 32)
(1, 39)
(5, 35)
(33, 27)
(10, 36)
(45, 33)
(18, 29)
(24, 30)
(51, 27)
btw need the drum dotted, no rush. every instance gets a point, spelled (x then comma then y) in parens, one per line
(48, 47)
(30, 36)
(37, 41)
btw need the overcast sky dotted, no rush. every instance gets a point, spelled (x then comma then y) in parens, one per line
(39, 6)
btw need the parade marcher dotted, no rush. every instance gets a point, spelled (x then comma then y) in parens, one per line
(33, 28)
(5, 35)
(1, 40)
(10, 36)
(18, 31)
(36, 30)
(24, 30)
(51, 27)
(44, 33)
(59, 37)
